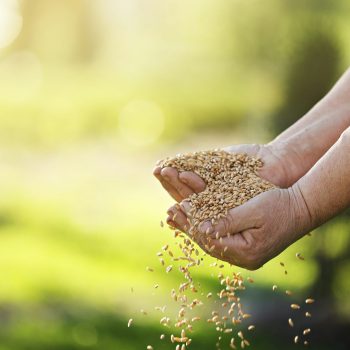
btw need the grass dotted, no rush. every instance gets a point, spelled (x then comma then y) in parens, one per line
(70, 253)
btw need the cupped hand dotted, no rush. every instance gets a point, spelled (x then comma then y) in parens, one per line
(181, 185)
(254, 232)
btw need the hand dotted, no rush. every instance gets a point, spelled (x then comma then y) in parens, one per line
(258, 230)
(181, 185)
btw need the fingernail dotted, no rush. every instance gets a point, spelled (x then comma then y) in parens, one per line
(171, 223)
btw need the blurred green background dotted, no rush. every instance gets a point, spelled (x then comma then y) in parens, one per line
(92, 93)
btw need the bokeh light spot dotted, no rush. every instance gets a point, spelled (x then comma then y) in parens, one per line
(10, 22)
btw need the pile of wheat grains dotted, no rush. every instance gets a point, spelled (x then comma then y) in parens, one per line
(231, 180)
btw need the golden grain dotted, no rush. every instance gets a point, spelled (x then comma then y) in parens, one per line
(306, 331)
(309, 301)
(231, 180)
(299, 256)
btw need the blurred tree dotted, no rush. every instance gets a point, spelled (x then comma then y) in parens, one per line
(59, 31)
(312, 69)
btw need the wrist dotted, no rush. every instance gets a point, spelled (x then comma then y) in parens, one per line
(302, 218)
(290, 161)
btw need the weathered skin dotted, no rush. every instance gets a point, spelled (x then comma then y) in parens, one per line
(310, 161)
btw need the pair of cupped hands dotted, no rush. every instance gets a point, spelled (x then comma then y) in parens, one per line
(259, 229)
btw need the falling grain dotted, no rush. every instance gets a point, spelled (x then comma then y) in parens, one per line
(309, 301)
(306, 331)
(299, 256)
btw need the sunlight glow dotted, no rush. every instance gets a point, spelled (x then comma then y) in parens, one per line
(10, 22)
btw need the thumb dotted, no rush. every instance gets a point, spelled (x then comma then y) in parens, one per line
(194, 181)
(238, 219)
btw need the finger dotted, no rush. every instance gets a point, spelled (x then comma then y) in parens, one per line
(206, 228)
(185, 205)
(167, 186)
(193, 181)
(180, 219)
(202, 239)
(171, 175)
(171, 219)
(170, 222)
(187, 209)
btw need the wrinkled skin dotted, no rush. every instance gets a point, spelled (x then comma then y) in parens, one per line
(259, 229)
(310, 163)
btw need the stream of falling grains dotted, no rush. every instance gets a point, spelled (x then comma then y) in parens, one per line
(231, 180)
(228, 314)
(297, 307)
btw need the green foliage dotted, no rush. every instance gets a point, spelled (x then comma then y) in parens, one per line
(79, 211)
(313, 66)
